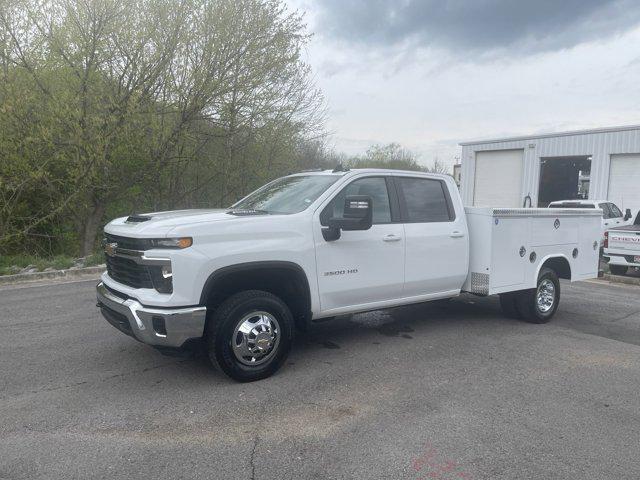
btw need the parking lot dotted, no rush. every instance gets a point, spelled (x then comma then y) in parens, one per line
(448, 391)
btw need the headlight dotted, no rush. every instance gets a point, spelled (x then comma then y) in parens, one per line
(182, 242)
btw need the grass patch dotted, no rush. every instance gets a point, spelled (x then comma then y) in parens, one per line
(94, 259)
(8, 263)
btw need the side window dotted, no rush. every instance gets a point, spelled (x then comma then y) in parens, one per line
(375, 187)
(615, 211)
(606, 212)
(425, 200)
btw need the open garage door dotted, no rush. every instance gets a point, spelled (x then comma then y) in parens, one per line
(498, 178)
(564, 178)
(624, 181)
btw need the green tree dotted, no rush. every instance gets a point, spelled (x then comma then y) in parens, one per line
(110, 106)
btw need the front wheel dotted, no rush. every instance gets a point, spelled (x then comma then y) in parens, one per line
(539, 304)
(249, 335)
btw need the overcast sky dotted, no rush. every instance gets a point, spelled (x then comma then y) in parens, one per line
(431, 73)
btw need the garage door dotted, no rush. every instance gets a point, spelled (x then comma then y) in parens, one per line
(498, 179)
(624, 181)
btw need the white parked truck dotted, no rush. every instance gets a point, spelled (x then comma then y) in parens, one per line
(612, 216)
(622, 248)
(314, 245)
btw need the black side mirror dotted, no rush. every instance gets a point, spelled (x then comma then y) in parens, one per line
(627, 214)
(358, 215)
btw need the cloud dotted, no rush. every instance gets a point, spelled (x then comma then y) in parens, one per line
(481, 27)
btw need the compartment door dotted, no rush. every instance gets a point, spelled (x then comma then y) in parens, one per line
(507, 266)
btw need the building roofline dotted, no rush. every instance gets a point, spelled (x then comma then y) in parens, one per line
(551, 135)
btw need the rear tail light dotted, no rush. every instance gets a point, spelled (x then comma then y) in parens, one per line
(606, 239)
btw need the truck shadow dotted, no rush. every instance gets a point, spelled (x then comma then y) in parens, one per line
(401, 322)
(439, 319)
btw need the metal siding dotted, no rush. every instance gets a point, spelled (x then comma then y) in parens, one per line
(600, 145)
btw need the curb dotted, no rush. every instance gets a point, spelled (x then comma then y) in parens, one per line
(620, 279)
(36, 276)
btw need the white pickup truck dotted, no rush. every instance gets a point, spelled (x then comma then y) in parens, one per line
(622, 247)
(314, 245)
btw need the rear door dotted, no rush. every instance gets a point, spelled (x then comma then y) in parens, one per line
(617, 218)
(609, 220)
(435, 237)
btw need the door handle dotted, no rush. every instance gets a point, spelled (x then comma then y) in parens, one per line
(456, 234)
(391, 238)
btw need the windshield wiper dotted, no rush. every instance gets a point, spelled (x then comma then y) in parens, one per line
(247, 211)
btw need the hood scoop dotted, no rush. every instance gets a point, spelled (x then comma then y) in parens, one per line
(137, 218)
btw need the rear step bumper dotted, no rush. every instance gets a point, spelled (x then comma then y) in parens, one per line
(619, 259)
(154, 326)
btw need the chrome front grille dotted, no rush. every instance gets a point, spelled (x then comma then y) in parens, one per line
(128, 243)
(128, 272)
(127, 263)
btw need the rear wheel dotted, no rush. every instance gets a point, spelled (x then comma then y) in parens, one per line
(539, 304)
(249, 335)
(618, 269)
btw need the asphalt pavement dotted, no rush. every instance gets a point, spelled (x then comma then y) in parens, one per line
(444, 391)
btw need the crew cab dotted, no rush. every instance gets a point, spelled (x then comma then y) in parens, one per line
(313, 245)
(611, 215)
(622, 247)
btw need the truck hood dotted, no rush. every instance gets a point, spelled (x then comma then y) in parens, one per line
(159, 224)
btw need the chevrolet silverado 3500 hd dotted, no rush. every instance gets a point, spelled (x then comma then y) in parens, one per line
(319, 244)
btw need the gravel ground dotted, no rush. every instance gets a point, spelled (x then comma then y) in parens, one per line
(445, 391)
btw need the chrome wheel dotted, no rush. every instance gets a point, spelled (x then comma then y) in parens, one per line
(256, 338)
(545, 296)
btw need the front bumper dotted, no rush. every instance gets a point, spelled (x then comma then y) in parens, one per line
(167, 327)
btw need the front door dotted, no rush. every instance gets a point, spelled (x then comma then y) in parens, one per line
(361, 268)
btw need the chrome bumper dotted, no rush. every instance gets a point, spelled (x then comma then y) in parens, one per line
(618, 259)
(167, 327)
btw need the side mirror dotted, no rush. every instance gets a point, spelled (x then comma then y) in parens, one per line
(627, 214)
(358, 215)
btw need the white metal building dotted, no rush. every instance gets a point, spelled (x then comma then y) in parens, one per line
(597, 164)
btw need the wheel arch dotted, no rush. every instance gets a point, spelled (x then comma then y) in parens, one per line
(286, 280)
(558, 263)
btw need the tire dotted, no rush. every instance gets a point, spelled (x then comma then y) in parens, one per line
(268, 328)
(618, 269)
(534, 311)
(508, 304)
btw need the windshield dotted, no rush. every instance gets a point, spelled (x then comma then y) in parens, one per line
(287, 194)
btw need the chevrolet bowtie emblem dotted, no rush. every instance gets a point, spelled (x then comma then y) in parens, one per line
(110, 249)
